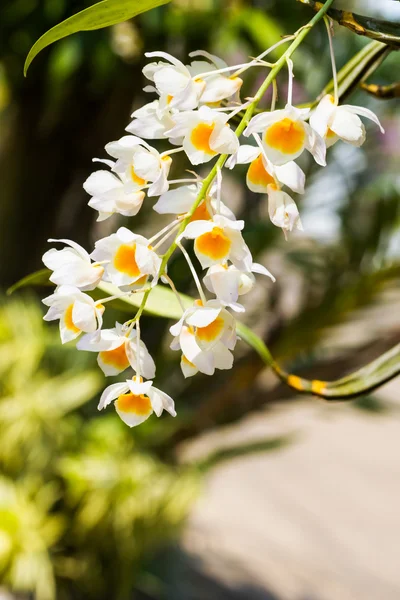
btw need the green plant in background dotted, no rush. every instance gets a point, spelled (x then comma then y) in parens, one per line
(75, 494)
(55, 493)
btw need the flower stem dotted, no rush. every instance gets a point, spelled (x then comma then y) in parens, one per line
(281, 62)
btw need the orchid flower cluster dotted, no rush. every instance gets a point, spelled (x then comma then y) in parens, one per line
(193, 110)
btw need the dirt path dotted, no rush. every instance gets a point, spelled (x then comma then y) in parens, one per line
(317, 519)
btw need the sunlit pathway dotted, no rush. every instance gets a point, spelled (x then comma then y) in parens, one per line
(317, 519)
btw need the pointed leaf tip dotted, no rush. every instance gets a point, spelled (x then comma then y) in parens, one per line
(102, 14)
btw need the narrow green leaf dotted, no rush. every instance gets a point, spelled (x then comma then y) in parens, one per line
(358, 68)
(376, 29)
(38, 278)
(362, 381)
(163, 303)
(102, 14)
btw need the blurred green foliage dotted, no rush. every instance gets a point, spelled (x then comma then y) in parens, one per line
(84, 503)
(82, 509)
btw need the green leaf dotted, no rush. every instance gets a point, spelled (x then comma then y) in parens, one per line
(163, 303)
(102, 14)
(358, 68)
(38, 278)
(376, 29)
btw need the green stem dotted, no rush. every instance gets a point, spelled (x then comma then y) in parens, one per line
(301, 34)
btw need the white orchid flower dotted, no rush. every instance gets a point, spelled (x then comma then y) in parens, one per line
(218, 240)
(109, 195)
(211, 323)
(118, 349)
(334, 122)
(77, 312)
(180, 201)
(174, 82)
(218, 86)
(282, 210)
(152, 122)
(183, 87)
(129, 259)
(262, 172)
(195, 359)
(136, 400)
(72, 266)
(285, 135)
(205, 133)
(229, 282)
(140, 163)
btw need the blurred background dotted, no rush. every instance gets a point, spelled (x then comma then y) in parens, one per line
(250, 493)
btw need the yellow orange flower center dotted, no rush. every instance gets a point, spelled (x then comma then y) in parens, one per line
(287, 136)
(201, 213)
(200, 137)
(116, 358)
(330, 133)
(257, 173)
(69, 324)
(211, 331)
(136, 179)
(214, 244)
(139, 405)
(125, 260)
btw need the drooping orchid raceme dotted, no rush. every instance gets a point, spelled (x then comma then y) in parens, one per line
(285, 135)
(205, 134)
(129, 261)
(136, 400)
(117, 350)
(140, 163)
(109, 195)
(194, 112)
(334, 122)
(72, 266)
(76, 311)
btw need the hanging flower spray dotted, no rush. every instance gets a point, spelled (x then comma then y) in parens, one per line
(194, 111)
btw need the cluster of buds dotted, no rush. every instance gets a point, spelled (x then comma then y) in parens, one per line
(194, 109)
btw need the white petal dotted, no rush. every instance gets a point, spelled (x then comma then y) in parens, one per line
(364, 112)
(223, 357)
(203, 316)
(321, 117)
(261, 121)
(139, 387)
(204, 361)
(111, 393)
(100, 182)
(197, 228)
(177, 201)
(291, 175)
(316, 145)
(161, 401)
(224, 140)
(83, 316)
(261, 270)
(348, 126)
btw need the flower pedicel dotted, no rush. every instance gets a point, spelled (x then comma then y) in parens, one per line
(194, 111)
